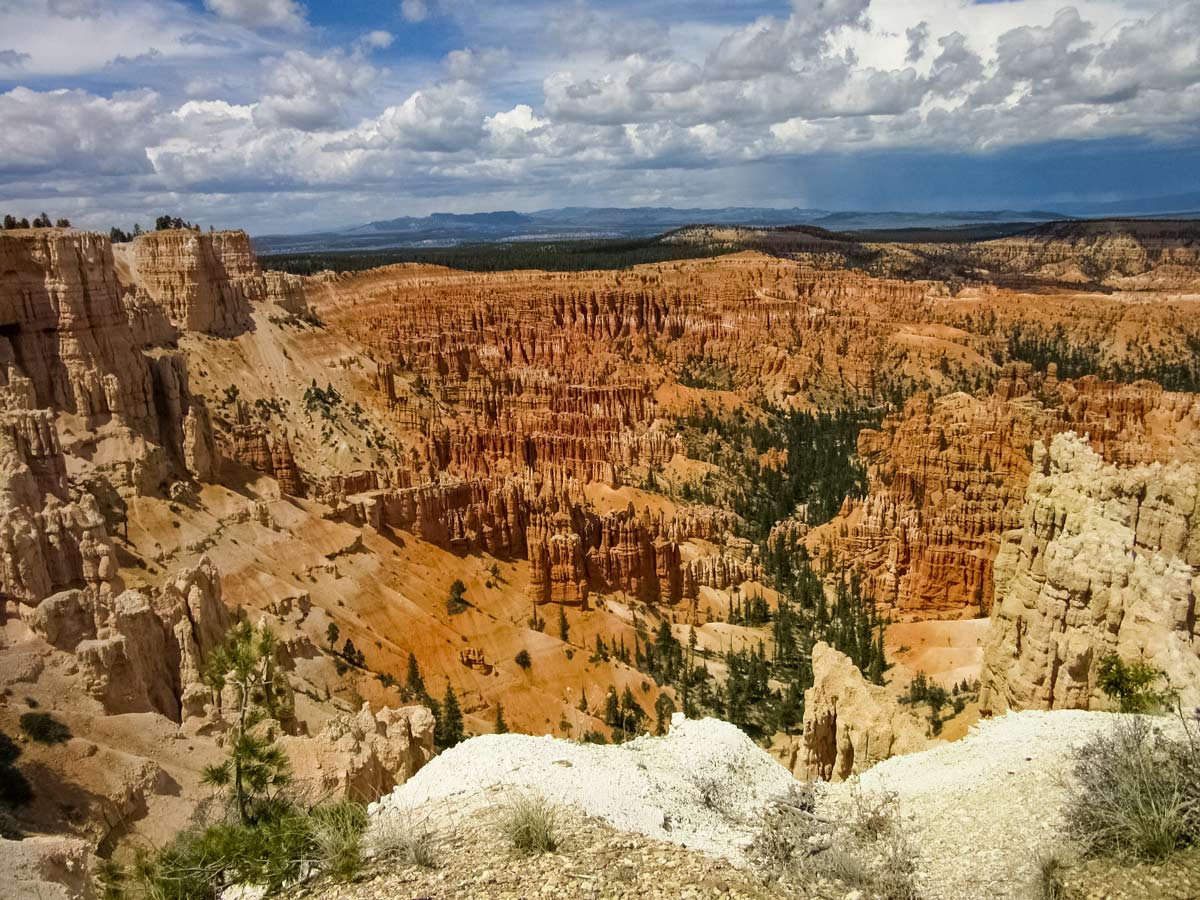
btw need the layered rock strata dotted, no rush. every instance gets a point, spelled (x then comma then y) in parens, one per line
(1107, 560)
(947, 478)
(849, 723)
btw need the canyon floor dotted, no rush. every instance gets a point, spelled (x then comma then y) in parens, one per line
(779, 484)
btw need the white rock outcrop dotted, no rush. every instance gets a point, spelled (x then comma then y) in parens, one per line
(849, 723)
(1107, 560)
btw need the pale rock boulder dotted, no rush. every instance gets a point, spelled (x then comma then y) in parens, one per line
(1107, 560)
(364, 755)
(46, 867)
(849, 723)
(142, 652)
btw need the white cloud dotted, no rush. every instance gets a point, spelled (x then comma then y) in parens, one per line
(414, 10)
(585, 98)
(76, 133)
(379, 40)
(311, 93)
(285, 14)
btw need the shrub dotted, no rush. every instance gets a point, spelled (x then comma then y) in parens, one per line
(1136, 792)
(398, 835)
(530, 823)
(522, 659)
(1133, 685)
(1048, 883)
(274, 850)
(337, 832)
(44, 728)
(865, 851)
(457, 602)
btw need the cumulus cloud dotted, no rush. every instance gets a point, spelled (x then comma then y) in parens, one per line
(310, 93)
(76, 132)
(440, 119)
(563, 98)
(414, 10)
(285, 14)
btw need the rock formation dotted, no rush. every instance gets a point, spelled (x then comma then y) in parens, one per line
(1107, 560)
(139, 652)
(202, 282)
(947, 478)
(849, 723)
(365, 755)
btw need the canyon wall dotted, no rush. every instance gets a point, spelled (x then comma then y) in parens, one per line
(947, 479)
(849, 723)
(1106, 560)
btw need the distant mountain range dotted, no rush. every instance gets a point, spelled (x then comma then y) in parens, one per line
(586, 223)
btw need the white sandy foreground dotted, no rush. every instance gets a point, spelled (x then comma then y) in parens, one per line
(703, 785)
(977, 811)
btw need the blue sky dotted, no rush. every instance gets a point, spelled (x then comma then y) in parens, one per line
(285, 115)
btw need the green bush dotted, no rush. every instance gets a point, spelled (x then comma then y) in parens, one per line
(1134, 685)
(530, 823)
(44, 728)
(1136, 792)
(522, 659)
(274, 850)
(457, 603)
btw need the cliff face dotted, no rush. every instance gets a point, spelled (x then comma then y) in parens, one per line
(77, 364)
(203, 282)
(64, 328)
(947, 479)
(571, 549)
(849, 723)
(1107, 559)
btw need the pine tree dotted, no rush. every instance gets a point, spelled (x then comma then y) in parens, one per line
(448, 730)
(500, 726)
(331, 634)
(414, 684)
(245, 662)
(564, 628)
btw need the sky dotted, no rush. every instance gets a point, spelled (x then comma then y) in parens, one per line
(286, 116)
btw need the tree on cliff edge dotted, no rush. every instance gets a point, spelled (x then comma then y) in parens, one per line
(245, 666)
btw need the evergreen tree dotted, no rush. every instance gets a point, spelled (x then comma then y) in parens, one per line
(331, 634)
(564, 629)
(500, 726)
(457, 602)
(448, 730)
(256, 766)
(414, 684)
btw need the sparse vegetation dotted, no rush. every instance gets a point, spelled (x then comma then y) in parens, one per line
(256, 768)
(456, 602)
(406, 838)
(530, 823)
(274, 851)
(1136, 687)
(1136, 790)
(44, 728)
(1048, 874)
(865, 852)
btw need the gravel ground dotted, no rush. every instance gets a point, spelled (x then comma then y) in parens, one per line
(703, 785)
(669, 817)
(594, 862)
(978, 812)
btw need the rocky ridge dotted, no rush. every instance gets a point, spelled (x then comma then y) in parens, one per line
(1105, 561)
